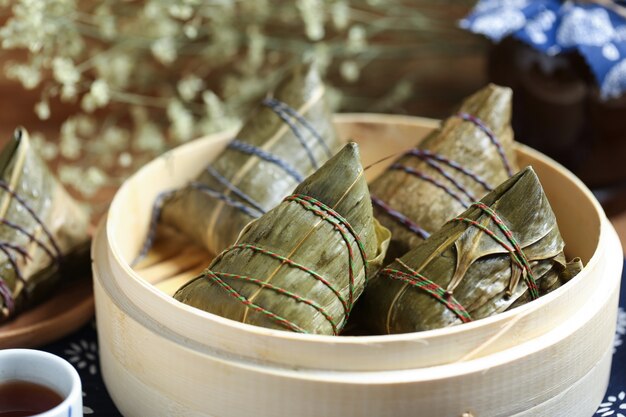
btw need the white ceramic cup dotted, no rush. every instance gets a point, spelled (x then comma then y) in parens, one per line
(48, 370)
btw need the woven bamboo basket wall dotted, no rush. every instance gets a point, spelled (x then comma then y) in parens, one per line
(162, 358)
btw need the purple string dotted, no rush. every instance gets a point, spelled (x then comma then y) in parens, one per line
(296, 131)
(427, 178)
(482, 126)
(23, 203)
(17, 248)
(267, 156)
(425, 154)
(152, 228)
(32, 237)
(222, 180)
(5, 292)
(226, 199)
(400, 218)
(13, 263)
(447, 176)
(303, 121)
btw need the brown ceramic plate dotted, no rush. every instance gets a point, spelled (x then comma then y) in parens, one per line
(60, 315)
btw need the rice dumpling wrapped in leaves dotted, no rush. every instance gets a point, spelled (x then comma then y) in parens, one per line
(286, 139)
(454, 166)
(42, 228)
(302, 265)
(500, 252)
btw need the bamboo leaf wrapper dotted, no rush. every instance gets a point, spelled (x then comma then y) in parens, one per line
(301, 266)
(41, 226)
(499, 253)
(457, 164)
(284, 141)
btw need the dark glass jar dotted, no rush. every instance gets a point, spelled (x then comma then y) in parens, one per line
(557, 109)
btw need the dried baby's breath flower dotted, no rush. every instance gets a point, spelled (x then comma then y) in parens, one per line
(100, 93)
(48, 150)
(70, 144)
(28, 75)
(64, 71)
(340, 14)
(42, 110)
(350, 70)
(164, 50)
(163, 72)
(189, 87)
(312, 13)
(86, 181)
(357, 38)
(125, 159)
(181, 121)
(149, 137)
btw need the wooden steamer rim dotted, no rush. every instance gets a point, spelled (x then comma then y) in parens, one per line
(563, 373)
(547, 358)
(412, 350)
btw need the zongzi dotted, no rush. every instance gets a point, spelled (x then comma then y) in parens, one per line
(454, 166)
(284, 141)
(302, 265)
(42, 228)
(501, 252)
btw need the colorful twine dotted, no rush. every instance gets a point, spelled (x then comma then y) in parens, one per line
(428, 178)
(282, 291)
(303, 121)
(342, 226)
(447, 176)
(425, 155)
(152, 227)
(7, 298)
(226, 199)
(7, 247)
(400, 218)
(30, 211)
(266, 156)
(516, 252)
(32, 238)
(294, 264)
(245, 301)
(222, 180)
(429, 157)
(419, 281)
(492, 137)
(13, 262)
(296, 131)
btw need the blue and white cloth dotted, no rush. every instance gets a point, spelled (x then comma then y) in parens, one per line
(597, 32)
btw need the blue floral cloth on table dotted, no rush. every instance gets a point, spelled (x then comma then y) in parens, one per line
(81, 349)
(598, 33)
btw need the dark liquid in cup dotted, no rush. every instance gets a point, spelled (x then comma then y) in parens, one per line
(22, 399)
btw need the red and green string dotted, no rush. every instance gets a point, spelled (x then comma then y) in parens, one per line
(348, 235)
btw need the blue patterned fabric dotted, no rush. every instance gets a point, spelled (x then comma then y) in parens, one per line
(81, 349)
(553, 27)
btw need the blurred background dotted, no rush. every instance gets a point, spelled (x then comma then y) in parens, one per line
(105, 86)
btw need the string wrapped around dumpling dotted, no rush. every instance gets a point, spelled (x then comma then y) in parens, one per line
(287, 138)
(44, 231)
(501, 252)
(302, 265)
(454, 166)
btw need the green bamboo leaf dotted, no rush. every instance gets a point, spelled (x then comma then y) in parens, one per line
(429, 191)
(301, 266)
(42, 229)
(271, 157)
(483, 262)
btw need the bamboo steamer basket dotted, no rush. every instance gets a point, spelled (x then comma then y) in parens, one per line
(160, 357)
